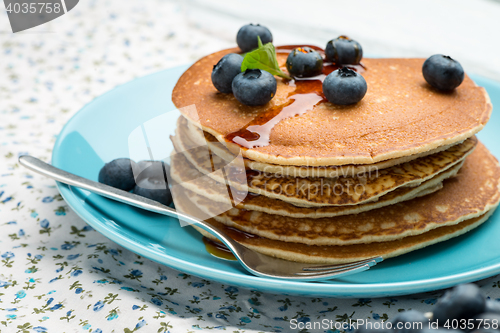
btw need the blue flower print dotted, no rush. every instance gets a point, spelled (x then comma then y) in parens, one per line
(136, 272)
(231, 289)
(60, 211)
(76, 272)
(156, 301)
(140, 324)
(47, 200)
(21, 294)
(8, 255)
(98, 306)
(113, 316)
(44, 223)
(67, 246)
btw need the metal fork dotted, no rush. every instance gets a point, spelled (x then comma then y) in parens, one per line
(256, 263)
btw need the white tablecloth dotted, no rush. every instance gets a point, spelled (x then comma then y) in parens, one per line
(59, 275)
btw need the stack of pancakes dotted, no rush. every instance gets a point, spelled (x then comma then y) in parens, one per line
(315, 182)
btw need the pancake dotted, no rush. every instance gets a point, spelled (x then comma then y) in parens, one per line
(200, 138)
(332, 255)
(401, 115)
(475, 191)
(318, 192)
(182, 172)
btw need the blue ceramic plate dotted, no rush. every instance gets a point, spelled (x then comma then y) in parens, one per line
(99, 133)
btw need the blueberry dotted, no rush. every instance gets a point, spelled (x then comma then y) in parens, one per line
(344, 51)
(304, 62)
(152, 181)
(344, 86)
(492, 306)
(443, 72)
(118, 173)
(411, 321)
(247, 36)
(225, 71)
(462, 302)
(254, 87)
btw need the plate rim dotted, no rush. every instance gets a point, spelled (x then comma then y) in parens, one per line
(243, 280)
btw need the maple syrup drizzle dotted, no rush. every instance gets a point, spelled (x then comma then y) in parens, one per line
(308, 93)
(218, 249)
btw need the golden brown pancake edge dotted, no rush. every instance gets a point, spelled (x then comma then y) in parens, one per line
(400, 116)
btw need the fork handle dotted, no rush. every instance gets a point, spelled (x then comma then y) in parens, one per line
(110, 192)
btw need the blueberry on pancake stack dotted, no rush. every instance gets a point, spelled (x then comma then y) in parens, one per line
(340, 157)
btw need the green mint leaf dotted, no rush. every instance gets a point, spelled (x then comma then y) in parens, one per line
(263, 57)
(259, 42)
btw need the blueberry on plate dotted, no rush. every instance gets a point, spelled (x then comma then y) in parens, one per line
(247, 36)
(344, 86)
(344, 51)
(462, 302)
(152, 183)
(118, 173)
(411, 321)
(304, 62)
(443, 72)
(225, 71)
(254, 87)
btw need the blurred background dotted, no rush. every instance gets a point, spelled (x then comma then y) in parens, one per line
(153, 35)
(49, 72)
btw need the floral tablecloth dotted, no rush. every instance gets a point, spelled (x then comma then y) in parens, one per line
(59, 275)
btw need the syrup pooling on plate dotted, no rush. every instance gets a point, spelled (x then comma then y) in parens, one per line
(308, 93)
(218, 249)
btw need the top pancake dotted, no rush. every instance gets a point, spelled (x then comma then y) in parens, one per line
(400, 115)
